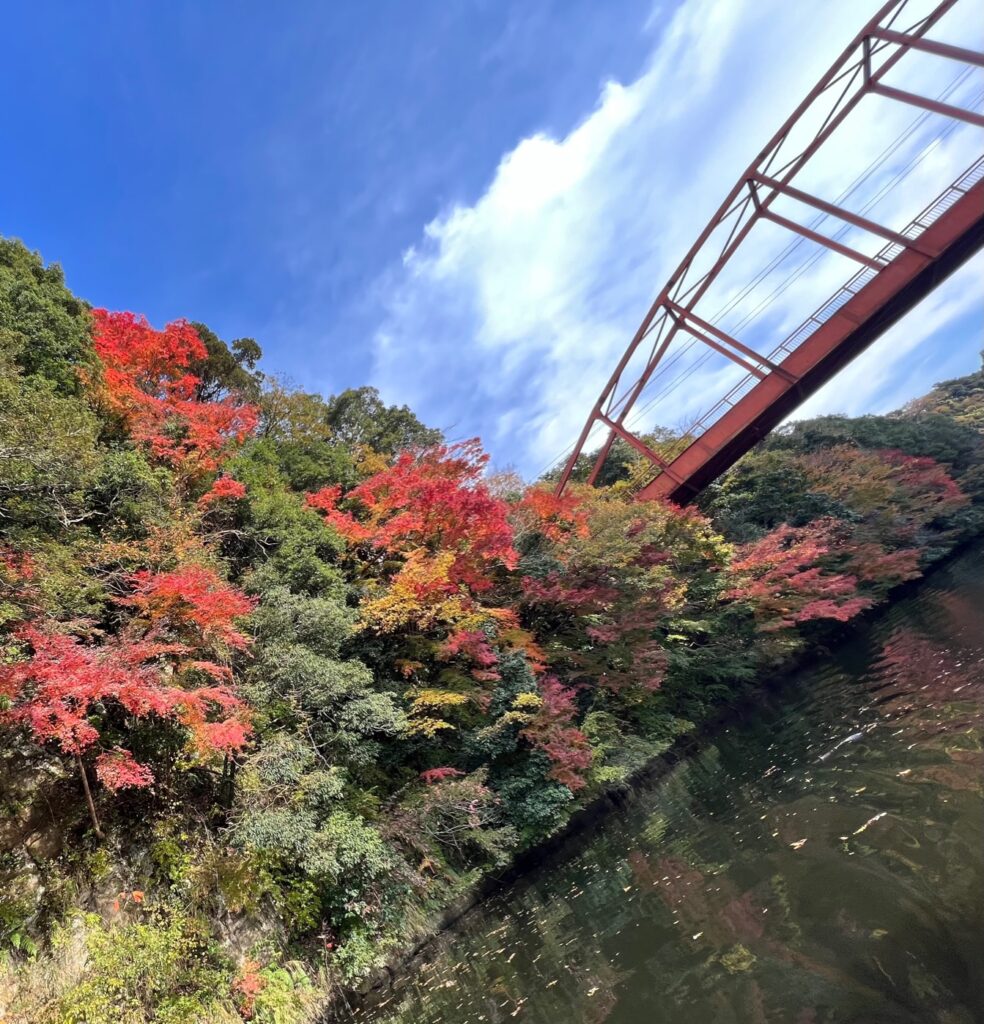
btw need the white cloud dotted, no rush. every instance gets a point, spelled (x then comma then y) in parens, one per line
(508, 316)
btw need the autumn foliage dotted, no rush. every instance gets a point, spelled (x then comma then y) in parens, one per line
(72, 681)
(614, 582)
(148, 384)
(906, 492)
(67, 686)
(781, 577)
(347, 665)
(429, 505)
(593, 592)
(224, 489)
(191, 603)
(552, 730)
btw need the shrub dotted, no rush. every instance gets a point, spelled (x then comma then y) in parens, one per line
(159, 970)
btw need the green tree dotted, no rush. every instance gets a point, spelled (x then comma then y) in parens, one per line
(295, 425)
(358, 416)
(48, 452)
(764, 489)
(44, 328)
(228, 369)
(928, 434)
(302, 678)
(962, 399)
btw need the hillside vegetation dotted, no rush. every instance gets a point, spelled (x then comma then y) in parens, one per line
(281, 676)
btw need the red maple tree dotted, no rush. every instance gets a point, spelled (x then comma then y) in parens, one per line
(74, 681)
(552, 732)
(433, 500)
(192, 602)
(782, 577)
(148, 384)
(554, 516)
(224, 489)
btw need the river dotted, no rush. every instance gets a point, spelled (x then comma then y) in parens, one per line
(820, 860)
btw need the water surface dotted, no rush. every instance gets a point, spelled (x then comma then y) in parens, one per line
(821, 860)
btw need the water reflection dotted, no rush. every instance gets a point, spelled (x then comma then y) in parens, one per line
(822, 862)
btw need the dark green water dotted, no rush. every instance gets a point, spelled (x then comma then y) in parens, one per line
(820, 861)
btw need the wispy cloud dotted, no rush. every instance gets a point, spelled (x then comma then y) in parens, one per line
(508, 315)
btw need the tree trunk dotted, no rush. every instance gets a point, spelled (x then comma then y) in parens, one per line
(227, 786)
(88, 798)
(224, 783)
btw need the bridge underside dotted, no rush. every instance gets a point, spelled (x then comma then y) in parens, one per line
(945, 246)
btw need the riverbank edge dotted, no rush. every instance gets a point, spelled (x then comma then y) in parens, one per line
(389, 976)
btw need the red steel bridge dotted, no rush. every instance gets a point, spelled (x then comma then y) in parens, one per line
(761, 382)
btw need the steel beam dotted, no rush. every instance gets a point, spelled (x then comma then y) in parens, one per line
(601, 458)
(815, 236)
(683, 315)
(725, 351)
(839, 212)
(946, 109)
(957, 53)
(639, 446)
(630, 398)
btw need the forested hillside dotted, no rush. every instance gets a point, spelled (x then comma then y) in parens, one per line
(281, 676)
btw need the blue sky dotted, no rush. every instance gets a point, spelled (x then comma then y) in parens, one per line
(468, 204)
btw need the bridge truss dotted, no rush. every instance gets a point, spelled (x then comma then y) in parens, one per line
(890, 280)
